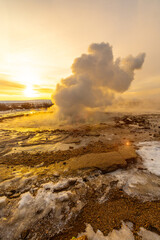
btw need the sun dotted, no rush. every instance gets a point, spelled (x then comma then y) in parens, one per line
(28, 77)
(29, 92)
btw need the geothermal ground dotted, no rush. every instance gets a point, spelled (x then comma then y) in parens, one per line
(100, 180)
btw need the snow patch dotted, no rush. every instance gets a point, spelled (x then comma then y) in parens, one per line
(26, 200)
(30, 208)
(64, 183)
(141, 184)
(148, 235)
(124, 233)
(2, 201)
(150, 153)
(18, 183)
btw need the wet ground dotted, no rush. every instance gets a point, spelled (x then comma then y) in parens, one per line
(55, 179)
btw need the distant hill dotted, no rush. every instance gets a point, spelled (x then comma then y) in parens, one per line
(26, 104)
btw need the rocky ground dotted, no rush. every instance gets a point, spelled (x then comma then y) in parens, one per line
(54, 181)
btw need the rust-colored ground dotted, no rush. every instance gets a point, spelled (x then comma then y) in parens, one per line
(48, 158)
(110, 214)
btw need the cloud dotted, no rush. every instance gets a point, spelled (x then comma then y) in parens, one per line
(9, 85)
(43, 89)
(94, 80)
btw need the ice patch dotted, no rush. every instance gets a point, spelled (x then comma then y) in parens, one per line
(52, 147)
(150, 153)
(26, 200)
(143, 185)
(18, 183)
(30, 209)
(148, 235)
(60, 185)
(124, 233)
(51, 197)
(3, 201)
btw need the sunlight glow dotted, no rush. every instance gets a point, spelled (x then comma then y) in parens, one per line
(30, 92)
(28, 75)
(128, 143)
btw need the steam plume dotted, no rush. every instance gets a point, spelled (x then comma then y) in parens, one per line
(94, 80)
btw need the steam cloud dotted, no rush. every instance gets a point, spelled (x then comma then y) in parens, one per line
(95, 79)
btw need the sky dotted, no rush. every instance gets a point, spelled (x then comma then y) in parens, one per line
(39, 40)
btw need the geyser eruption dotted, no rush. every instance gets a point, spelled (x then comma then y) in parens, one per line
(95, 79)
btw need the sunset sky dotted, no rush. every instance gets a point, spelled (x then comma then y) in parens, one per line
(39, 40)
